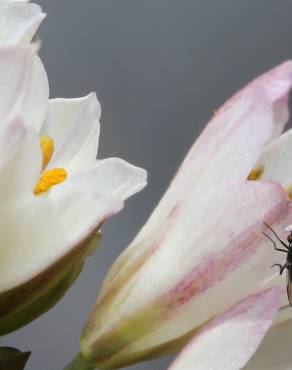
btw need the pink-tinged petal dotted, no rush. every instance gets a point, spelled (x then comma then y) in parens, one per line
(191, 259)
(19, 22)
(15, 64)
(227, 149)
(275, 161)
(231, 143)
(228, 341)
(201, 220)
(191, 272)
(277, 84)
(74, 126)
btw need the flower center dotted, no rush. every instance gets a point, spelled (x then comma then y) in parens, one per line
(50, 177)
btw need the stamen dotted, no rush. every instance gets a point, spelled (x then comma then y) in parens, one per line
(47, 146)
(256, 173)
(49, 178)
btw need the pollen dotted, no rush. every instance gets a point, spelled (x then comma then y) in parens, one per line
(256, 173)
(47, 146)
(289, 191)
(49, 178)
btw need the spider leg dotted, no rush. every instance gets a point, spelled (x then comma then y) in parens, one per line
(282, 267)
(274, 243)
(280, 240)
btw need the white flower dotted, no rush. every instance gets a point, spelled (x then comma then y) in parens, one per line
(203, 250)
(54, 194)
(18, 22)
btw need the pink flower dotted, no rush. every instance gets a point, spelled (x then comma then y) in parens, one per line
(202, 251)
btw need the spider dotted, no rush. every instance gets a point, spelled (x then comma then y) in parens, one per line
(288, 263)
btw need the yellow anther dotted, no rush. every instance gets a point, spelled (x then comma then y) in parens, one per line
(256, 173)
(289, 191)
(47, 146)
(49, 178)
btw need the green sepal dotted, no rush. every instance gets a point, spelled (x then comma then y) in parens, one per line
(26, 302)
(40, 305)
(12, 358)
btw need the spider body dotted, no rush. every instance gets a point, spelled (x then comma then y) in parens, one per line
(286, 247)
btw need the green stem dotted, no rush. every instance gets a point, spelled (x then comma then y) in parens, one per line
(79, 364)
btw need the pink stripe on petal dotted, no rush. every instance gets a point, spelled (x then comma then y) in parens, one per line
(228, 341)
(242, 243)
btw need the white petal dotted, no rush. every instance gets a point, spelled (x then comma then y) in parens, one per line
(74, 126)
(15, 64)
(87, 153)
(19, 22)
(275, 160)
(21, 173)
(112, 177)
(37, 95)
(11, 136)
(36, 232)
(228, 341)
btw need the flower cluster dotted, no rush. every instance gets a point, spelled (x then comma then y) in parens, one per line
(198, 274)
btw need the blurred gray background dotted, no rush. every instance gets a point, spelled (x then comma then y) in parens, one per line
(160, 68)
